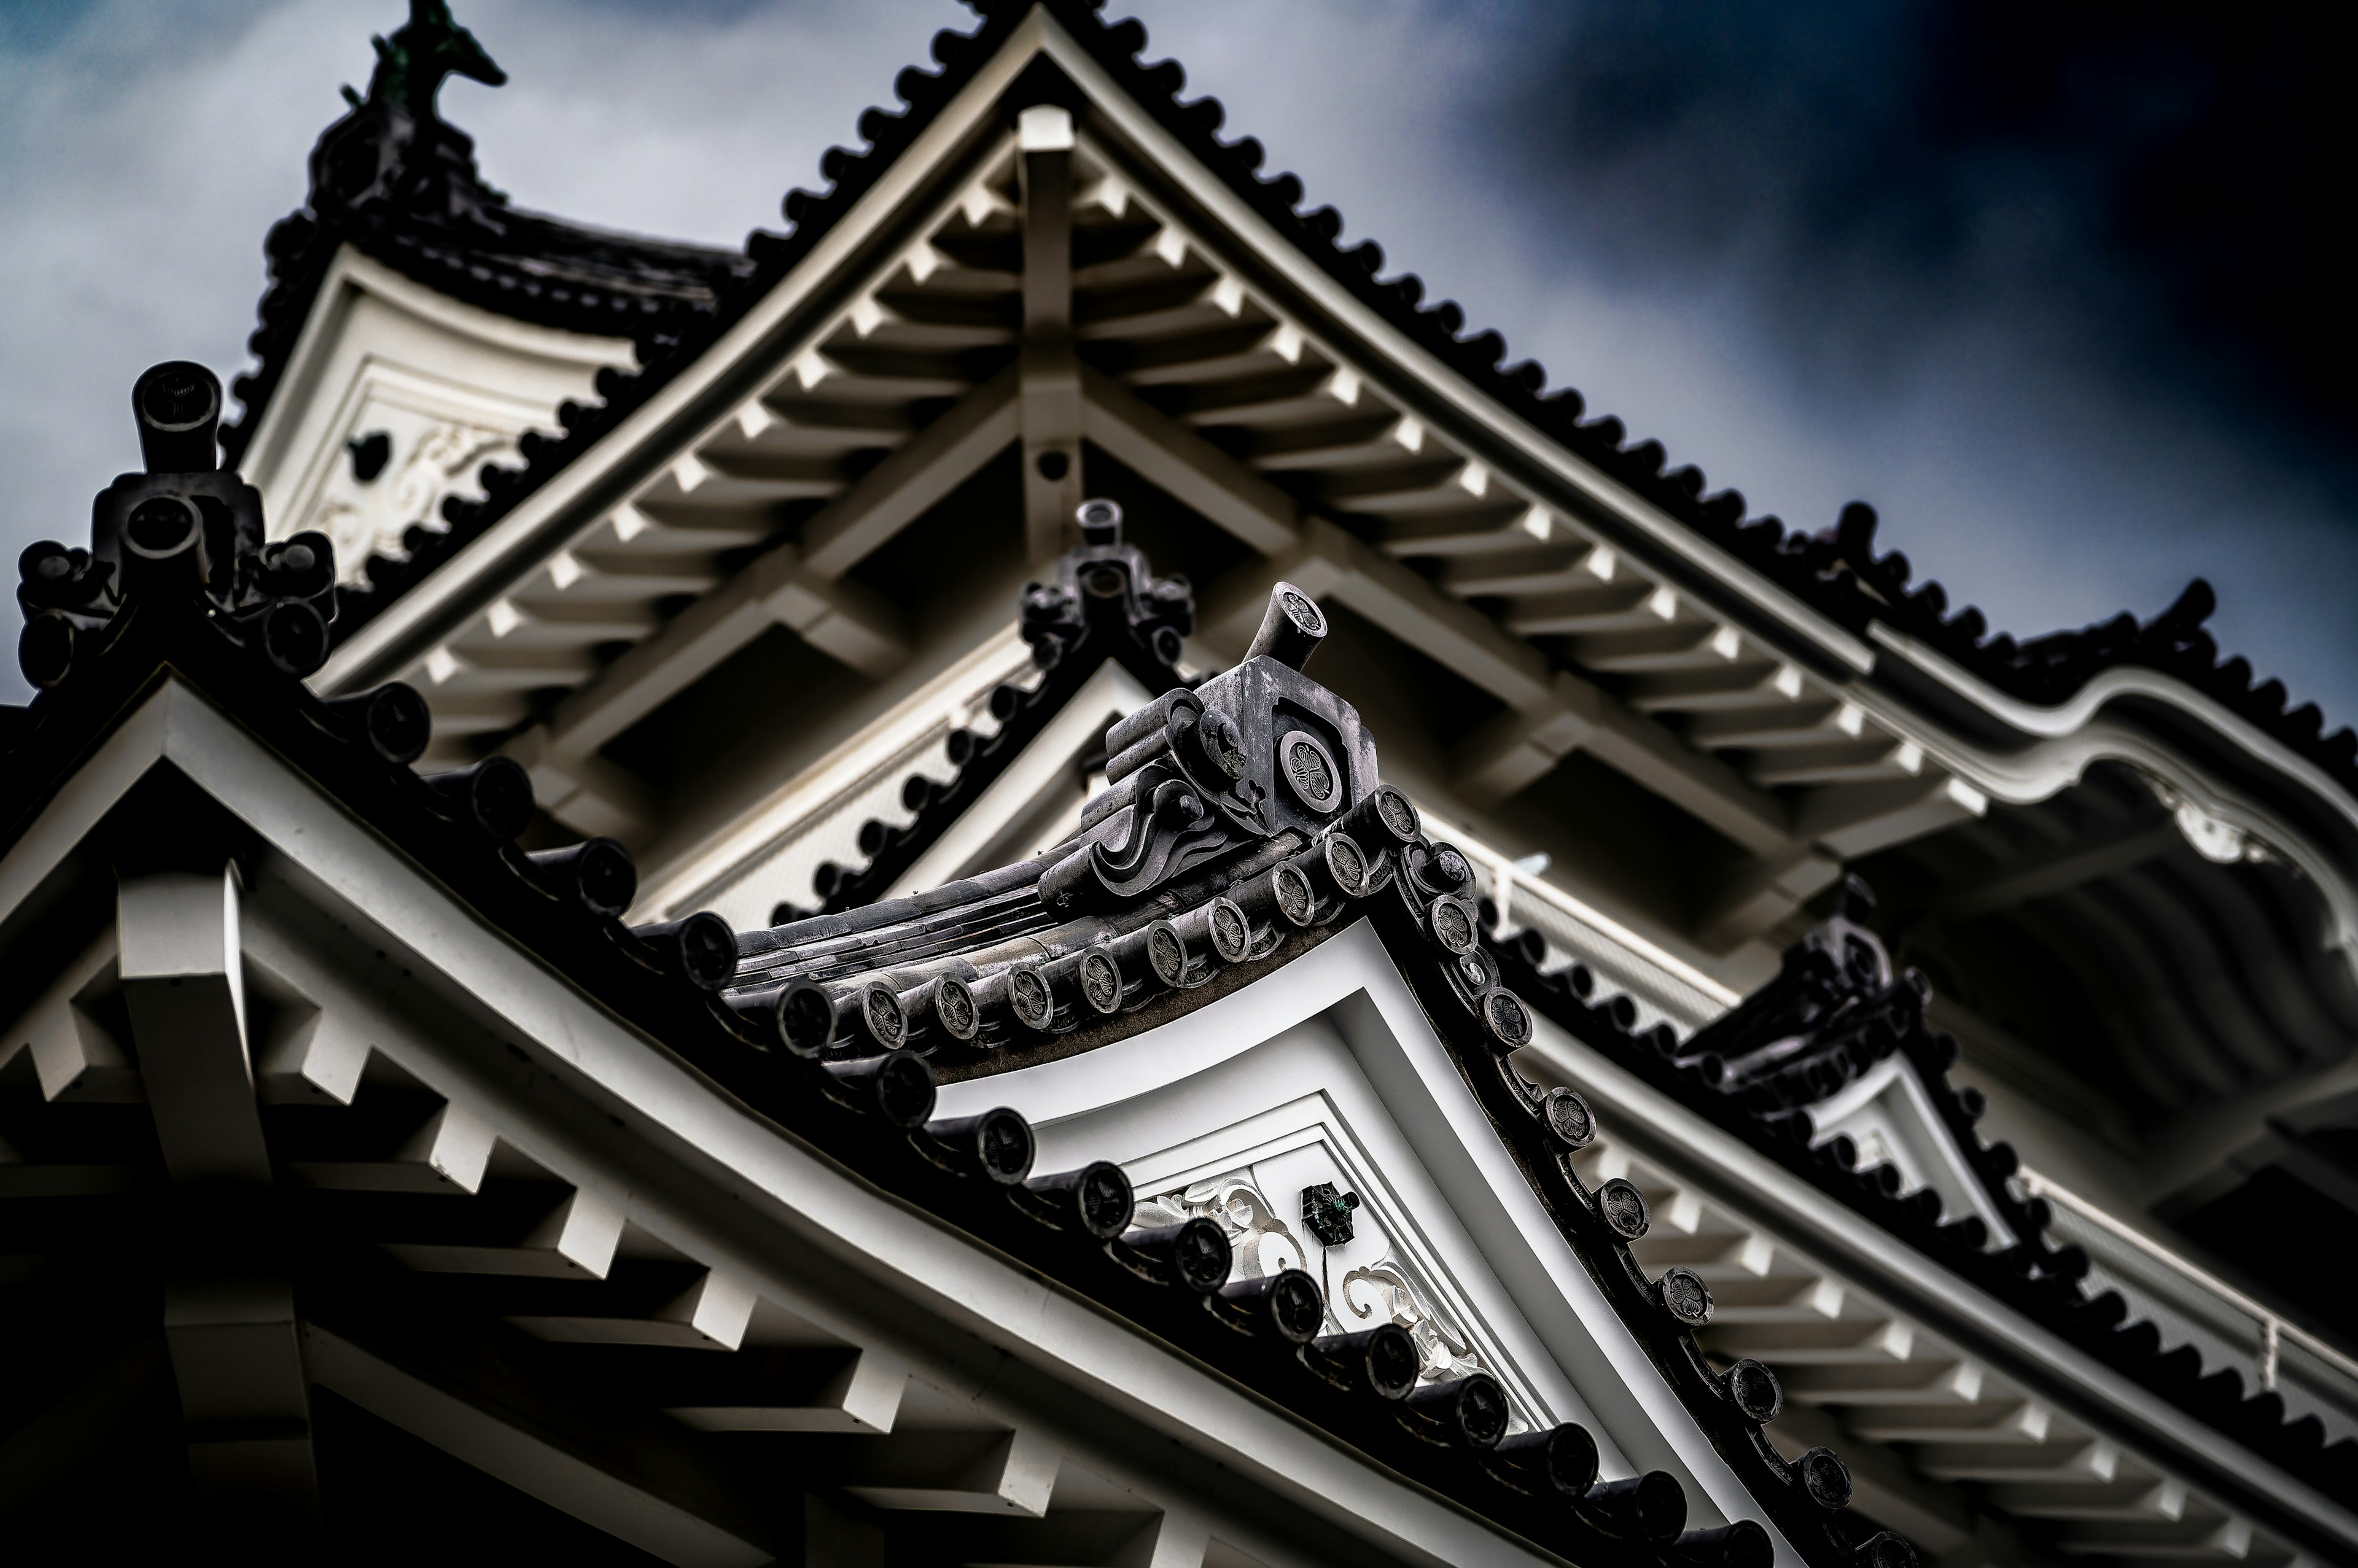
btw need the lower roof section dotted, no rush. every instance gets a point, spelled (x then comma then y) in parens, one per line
(530, 1096)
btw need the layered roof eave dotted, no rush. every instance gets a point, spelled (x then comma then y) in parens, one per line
(1666, 515)
(168, 686)
(917, 1248)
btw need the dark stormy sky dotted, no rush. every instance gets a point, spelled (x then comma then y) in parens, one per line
(2056, 287)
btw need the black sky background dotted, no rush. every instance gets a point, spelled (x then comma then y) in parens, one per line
(2060, 288)
(2171, 181)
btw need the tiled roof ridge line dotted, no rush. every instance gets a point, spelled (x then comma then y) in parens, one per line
(619, 391)
(2035, 1277)
(1834, 571)
(564, 907)
(1140, 626)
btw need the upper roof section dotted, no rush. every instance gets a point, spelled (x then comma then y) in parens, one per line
(399, 182)
(1837, 572)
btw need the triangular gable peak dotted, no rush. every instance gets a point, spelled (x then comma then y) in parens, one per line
(582, 1205)
(1046, 253)
(991, 761)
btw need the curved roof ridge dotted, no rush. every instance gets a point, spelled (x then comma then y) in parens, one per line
(1836, 572)
(1855, 1024)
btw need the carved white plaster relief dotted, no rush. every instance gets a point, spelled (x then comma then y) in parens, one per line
(1369, 1280)
(437, 438)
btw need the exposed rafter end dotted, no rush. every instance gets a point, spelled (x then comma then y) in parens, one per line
(1852, 820)
(1519, 748)
(587, 793)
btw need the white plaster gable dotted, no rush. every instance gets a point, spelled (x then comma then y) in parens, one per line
(1886, 1113)
(1330, 1063)
(1251, 1177)
(452, 386)
(771, 853)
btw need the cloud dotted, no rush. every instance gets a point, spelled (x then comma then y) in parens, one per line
(1713, 231)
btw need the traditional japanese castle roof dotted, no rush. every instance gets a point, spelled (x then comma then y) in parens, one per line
(1247, 824)
(1837, 571)
(1835, 1011)
(761, 608)
(398, 182)
(1577, 604)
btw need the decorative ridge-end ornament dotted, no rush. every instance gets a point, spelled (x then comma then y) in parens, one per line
(182, 531)
(1836, 1007)
(394, 149)
(1255, 752)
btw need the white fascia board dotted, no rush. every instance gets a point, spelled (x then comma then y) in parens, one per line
(1418, 365)
(713, 1178)
(2072, 737)
(1440, 1140)
(398, 634)
(1750, 1184)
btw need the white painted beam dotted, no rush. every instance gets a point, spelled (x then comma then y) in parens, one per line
(795, 586)
(184, 983)
(313, 1058)
(75, 1057)
(1173, 458)
(576, 1240)
(862, 1397)
(229, 1318)
(956, 1472)
(1521, 746)
(710, 1314)
(448, 1153)
(1855, 820)
(1050, 372)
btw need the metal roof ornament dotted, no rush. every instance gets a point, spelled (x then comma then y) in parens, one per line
(395, 148)
(421, 55)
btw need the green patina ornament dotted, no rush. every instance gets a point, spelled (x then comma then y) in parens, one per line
(412, 65)
(1326, 1210)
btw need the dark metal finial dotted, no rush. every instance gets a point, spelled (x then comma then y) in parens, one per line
(412, 65)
